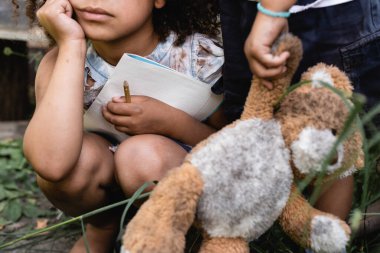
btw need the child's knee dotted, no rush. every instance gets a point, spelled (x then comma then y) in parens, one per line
(74, 197)
(141, 160)
(64, 191)
(138, 160)
(87, 176)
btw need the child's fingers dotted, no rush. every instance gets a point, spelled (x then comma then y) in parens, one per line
(262, 71)
(115, 119)
(272, 61)
(54, 7)
(267, 84)
(55, 17)
(125, 109)
(120, 99)
(123, 129)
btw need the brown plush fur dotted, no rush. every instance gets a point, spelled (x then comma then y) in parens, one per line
(230, 245)
(341, 81)
(261, 101)
(296, 217)
(322, 109)
(170, 210)
(162, 222)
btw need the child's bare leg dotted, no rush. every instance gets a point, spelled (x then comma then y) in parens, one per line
(101, 239)
(145, 158)
(337, 198)
(88, 186)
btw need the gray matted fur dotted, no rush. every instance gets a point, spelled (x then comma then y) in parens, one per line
(247, 179)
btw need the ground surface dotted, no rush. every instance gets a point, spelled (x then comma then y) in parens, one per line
(54, 242)
(59, 240)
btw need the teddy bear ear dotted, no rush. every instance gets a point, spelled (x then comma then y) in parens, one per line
(328, 74)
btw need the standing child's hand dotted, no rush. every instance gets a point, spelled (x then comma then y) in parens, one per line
(262, 62)
(56, 17)
(144, 115)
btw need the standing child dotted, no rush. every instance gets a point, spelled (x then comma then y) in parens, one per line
(76, 169)
(345, 33)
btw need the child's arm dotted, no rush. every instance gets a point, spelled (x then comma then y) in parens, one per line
(149, 116)
(265, 30)
(53, 139)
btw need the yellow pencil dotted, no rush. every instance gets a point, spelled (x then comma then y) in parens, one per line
(127, 94)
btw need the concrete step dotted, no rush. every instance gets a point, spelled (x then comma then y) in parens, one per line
(12, 129)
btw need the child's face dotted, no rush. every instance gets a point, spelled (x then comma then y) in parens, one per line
(109, 20)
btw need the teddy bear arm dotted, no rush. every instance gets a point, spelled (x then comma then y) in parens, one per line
(295, 218)
(259, 103)
(163, 220)
(312, 228)
(260, 100)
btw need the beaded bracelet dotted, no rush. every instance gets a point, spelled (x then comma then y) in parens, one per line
(275, 14)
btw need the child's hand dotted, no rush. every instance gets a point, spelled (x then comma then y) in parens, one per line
(262, 62)
(144, 115)
(56, 17)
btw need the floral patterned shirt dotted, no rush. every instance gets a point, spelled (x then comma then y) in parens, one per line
(199, 57)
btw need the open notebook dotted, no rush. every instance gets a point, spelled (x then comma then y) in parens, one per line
(149, 78)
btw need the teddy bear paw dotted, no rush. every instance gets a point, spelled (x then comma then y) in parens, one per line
(329, 234)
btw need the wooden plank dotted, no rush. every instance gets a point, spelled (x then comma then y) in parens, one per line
(34, 37)
(14, 89)
(12, 129)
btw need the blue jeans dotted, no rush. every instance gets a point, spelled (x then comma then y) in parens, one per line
(345, 35)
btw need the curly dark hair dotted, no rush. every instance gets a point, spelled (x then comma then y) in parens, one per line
(184, 17)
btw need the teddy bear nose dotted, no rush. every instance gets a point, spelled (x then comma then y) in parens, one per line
(311, 149)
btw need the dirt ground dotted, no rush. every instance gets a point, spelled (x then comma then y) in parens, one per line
(56, 241)
(61, 240)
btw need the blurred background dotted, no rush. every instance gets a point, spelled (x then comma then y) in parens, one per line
(21, 48)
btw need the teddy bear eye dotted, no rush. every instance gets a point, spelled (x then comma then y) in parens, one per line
(334, 131)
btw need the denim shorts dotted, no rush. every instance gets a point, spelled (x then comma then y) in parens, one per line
(346, 35)
(114, 143)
